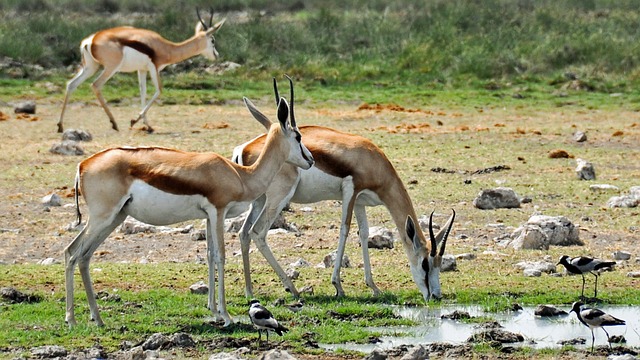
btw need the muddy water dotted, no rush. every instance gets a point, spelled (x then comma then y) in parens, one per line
(538, 332)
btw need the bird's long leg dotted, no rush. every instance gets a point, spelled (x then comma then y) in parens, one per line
(583, 280)
(593, 339)
(608, 340)
(595, 292)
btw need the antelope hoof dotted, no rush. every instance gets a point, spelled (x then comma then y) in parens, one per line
(60, 129)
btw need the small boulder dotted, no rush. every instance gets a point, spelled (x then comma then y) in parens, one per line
(448, 263)
(548, 311)
(621, 255)
(199, 288)
(497, 198)
(499, 335)
(380, 238)
(330, 259)
(579, 136)
(585, 170)
(76, 135)
(25, 107)
(67, 148)
(155, 342)
(52, 199)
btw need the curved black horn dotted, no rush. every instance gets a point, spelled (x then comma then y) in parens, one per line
(432, 237)
(293, 118)
(275, 90)
(446, 234)
(204, 26)
(211, 18)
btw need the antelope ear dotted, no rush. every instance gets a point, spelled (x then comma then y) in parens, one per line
(283, 115)
(410, 230)
(217, 26)
(262, 118)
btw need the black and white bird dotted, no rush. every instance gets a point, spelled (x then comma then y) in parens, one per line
(595, 318)
(262, 319)
(583, 264)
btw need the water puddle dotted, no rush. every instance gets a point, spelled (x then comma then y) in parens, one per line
(538, 332)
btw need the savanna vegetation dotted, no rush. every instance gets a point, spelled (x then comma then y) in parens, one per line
(475, 83)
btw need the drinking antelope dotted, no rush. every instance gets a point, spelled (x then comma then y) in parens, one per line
(352, 169)
(128, 49)
(162, 186)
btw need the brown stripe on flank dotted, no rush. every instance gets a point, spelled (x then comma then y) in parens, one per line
(139, 46)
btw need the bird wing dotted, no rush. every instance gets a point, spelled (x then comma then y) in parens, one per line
(591, 314)
(581, 261)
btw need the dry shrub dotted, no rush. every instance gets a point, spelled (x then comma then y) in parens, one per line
(618, 133)
(213, 126)
(3, 116)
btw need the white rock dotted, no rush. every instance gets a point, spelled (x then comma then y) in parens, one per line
(621, 255)
(603, 187)
(585, 170)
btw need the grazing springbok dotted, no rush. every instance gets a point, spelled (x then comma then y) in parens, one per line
(352, 169)
(128, 49)
(163, 186)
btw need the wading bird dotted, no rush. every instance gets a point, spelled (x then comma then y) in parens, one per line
(595, 318)
(583, 264)
(262, 319)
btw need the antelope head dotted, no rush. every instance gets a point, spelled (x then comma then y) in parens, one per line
(203, 29)
(427, 260)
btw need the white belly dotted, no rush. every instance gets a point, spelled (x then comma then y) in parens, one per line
(134, 60)
(153, 206)
(316, 185)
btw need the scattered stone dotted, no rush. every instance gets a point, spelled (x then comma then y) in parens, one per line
(276, 354)
(629, 201)
(576, 341)
(133, 226)
(48, 351)
(199, 288)
(292, 274)
(200, 235)
(48, 261)
(233, 225)
(330, 259)
(183, 340)
(532, 273)
(377, 354)
(456, 315)
(541, 266)
(579, 136)
(307, 289)
(585, 170)
(541, 231)
(622, 357)
(300, 263)
(603, 187)
(448, 263)
(13, 296)
(499, 335)
(417, 352)
(67, 148)
(76, 135)
(105, 296)
(25, 107)
(225, 356)
(633, 274)
(548, 311)
(221, 68)
(380, 238)
(617, 339)
(52, 199)
(466, 256)
(155, 342)
(497, 198)
(559, 154)
(621, 255)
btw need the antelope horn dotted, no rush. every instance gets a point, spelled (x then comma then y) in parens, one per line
(293, 118)
(211, 18)
(432, 237)
(204, 26)
(275, 90)
(446, 234)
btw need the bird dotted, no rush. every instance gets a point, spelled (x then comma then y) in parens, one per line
(262, 319)
(295, 306)
(583, 264)
(595, 318)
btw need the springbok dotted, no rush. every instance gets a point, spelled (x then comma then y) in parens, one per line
(162, 186)
(352, 169)
(128, 49)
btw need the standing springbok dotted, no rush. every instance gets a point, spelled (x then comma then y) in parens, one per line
(163, 186)
(128, 49)
(352, 169)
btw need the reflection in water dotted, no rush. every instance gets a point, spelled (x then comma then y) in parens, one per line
(538, 332)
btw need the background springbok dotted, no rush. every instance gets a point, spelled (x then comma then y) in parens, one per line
(128, 49)
(163, 186)
(352, 169)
